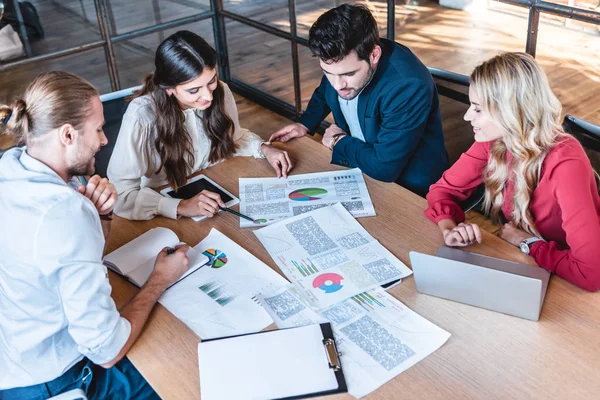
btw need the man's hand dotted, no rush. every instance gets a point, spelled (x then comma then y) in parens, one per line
(167, 269)
(170, 267)
(463, 234)
(328, 137)
(101, 192)
(512, 234)
(289, 132)
(279, 160)
(205, 203)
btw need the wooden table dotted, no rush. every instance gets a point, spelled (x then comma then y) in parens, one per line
(489, 356)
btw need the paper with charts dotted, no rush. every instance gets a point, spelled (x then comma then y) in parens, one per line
(219, 299)
(329, 256)
(268, 200)
(378, 336)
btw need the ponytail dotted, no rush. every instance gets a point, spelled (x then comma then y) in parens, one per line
(14, 120)
(50, 101)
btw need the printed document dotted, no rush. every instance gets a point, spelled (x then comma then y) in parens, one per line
(268, 200)
(378, 336)
(219, 299)
(329, 256)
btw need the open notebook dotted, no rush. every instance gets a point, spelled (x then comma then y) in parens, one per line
(135, 260)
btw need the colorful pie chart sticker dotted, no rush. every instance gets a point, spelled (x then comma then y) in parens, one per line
(307, 194)
(329, 282)
(216, 258)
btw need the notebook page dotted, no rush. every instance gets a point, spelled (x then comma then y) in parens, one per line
(141, 250)
(140, 275)
(275, 364)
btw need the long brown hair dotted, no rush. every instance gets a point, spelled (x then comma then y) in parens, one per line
(53, 99)
(515, 93)
(179, 59)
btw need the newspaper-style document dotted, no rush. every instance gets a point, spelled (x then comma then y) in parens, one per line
(268, 200)
(220, 299)
(329, 256)
(378, 336)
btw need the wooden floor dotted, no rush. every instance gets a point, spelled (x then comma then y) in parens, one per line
(444, 38)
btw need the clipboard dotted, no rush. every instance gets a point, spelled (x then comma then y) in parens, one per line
(281, 364)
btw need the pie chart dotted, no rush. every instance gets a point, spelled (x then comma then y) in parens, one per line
(308, 194)
(329, 282)
(216, 258)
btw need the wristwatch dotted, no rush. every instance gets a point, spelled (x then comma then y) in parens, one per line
(525, 245)
(260, 153)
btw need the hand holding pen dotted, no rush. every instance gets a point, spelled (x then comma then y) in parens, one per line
(171, 263)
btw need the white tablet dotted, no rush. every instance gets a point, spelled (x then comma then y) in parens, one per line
(195, 186)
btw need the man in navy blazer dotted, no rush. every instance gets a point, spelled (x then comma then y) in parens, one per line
(383, 99)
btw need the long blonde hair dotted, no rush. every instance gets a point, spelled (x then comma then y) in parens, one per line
(515, 92)
(53, 99)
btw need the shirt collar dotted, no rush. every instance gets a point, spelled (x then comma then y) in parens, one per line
(35, 165)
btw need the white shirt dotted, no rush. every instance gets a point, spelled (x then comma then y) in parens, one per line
(55, 304)
(133, 164)
(350, 111)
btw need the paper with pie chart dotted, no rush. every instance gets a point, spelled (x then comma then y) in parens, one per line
(270, 200)
(329, 256)
(220, 299)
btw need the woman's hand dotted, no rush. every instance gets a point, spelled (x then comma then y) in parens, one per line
(512, 234)
(204, 203)
(279, 159)
(463, 234)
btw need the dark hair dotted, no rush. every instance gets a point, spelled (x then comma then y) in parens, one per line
(343, 29)
(53, 99)
(181, 58)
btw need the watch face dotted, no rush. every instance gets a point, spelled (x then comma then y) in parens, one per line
(524, 248)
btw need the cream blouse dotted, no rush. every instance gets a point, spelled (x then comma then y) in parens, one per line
(133, 164)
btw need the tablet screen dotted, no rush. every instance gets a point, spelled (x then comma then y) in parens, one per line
(191, 189)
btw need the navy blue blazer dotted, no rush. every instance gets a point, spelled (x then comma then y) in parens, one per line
(399, 115)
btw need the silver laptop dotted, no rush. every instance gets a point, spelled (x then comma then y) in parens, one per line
(498, 285)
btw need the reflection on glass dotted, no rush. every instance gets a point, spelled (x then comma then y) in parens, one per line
(583, 4)
(571, 58)
(127, 16)
(307, 12)
(269, 12)
(310, 74)
(459, 40)
(61, 24)
(261, 60)
(90, 65)
(135, 57)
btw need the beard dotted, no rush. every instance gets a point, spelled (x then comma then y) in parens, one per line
(355, 92)
(83, 165)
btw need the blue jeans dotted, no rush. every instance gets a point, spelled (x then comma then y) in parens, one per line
(122, 381)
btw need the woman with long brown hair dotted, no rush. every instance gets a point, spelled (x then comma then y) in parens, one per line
(182, 120)
(535, 175)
